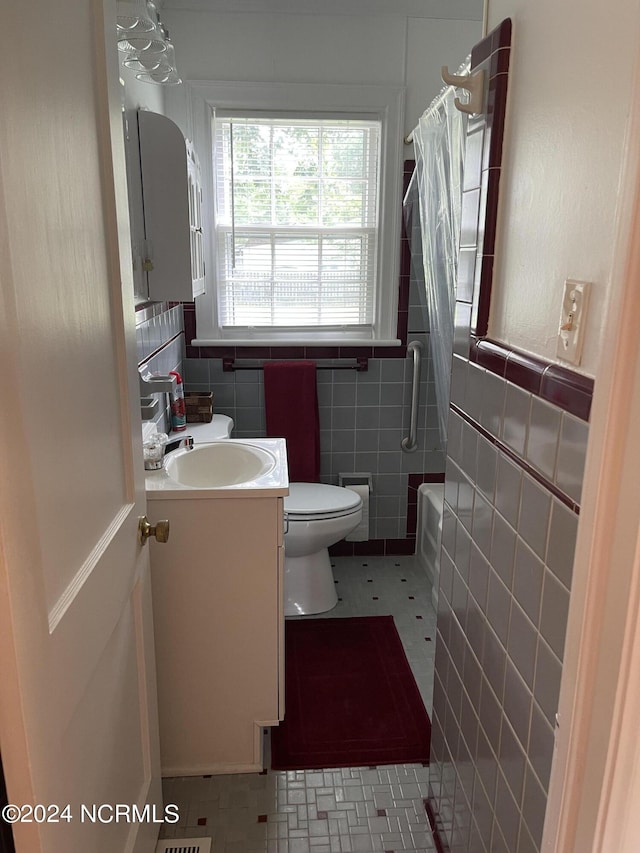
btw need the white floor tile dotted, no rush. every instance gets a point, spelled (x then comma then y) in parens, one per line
(362, 810)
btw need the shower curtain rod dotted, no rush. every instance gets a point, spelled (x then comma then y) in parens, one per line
(473, 83)
(435, 103)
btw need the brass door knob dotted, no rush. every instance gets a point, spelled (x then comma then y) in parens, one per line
(160, 530)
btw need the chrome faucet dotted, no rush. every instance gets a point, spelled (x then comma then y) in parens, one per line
(156, 449)
(185, 441)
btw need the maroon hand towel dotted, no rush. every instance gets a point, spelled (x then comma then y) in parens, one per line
(291, 406)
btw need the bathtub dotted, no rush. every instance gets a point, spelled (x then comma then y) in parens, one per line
(428, 533)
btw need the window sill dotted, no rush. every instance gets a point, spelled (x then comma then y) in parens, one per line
(305, 342)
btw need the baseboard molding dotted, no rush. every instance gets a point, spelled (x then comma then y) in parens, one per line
(209, 770)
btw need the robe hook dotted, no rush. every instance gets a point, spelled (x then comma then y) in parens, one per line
(472, 83)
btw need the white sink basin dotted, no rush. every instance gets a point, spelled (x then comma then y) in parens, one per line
(219, 464)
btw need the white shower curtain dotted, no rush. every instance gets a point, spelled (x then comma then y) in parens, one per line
(439, 142)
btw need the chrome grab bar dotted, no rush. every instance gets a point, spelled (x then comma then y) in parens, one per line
(410, 443)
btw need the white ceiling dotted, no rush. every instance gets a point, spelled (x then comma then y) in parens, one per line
(468, 10)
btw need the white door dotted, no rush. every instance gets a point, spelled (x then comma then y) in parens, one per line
(78, 717)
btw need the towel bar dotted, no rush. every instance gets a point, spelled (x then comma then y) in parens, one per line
(230, 365)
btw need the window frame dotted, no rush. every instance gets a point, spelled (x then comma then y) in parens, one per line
(385, 103)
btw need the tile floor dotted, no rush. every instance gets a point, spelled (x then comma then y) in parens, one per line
(334, 810)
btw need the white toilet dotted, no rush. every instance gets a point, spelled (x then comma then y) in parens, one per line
(316, 516)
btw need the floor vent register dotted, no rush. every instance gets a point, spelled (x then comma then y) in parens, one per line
(184, 845)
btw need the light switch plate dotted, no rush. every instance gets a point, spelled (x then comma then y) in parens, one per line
(573, 315)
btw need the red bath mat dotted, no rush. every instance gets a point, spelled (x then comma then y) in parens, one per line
(350, 697)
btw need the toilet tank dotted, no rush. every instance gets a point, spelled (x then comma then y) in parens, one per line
(219, 427)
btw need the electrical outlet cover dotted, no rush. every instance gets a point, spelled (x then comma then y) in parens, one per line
(573, 315)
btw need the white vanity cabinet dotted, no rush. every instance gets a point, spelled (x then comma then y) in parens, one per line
(219, 627)
(172, 200)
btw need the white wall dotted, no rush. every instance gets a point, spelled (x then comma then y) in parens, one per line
(430, 45)
(376, 49)
(569, 100)
(459, 9)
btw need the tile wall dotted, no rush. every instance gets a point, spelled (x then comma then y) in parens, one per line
(518, 430)
(363, 418)
(160, 346)
(363, 415)
(513, 480)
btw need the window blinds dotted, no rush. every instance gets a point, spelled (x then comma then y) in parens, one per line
(296, 221)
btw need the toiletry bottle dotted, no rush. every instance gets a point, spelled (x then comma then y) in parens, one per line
(178, 410)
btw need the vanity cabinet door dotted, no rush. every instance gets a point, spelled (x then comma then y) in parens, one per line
(217, 600)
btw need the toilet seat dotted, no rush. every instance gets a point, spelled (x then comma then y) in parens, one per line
(317, 501)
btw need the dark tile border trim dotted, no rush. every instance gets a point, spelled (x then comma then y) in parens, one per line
(554, 383)
(526, 467)
(431, 817)
(492, 54)
(374, 548)
(416, 480)
(292, 352)
(570, 391)
(160, 348)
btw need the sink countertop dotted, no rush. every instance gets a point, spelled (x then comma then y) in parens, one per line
(159, 486)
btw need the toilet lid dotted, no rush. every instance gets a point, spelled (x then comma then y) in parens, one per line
(320, 499)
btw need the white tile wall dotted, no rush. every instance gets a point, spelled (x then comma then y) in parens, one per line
(160, 346)
(508, 543)
(363, 419)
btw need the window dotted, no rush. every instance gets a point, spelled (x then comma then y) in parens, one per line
(303, 245)
(296, 221)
